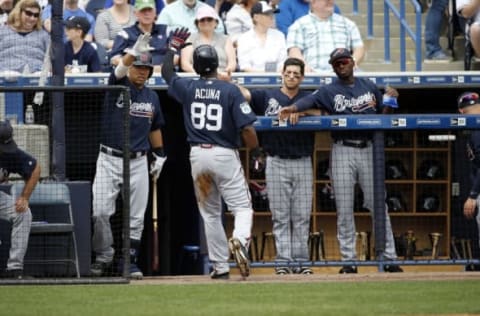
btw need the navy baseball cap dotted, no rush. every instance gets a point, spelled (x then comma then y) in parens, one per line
(467, 99)
(338, 53)
(78, 22)
(7, 144)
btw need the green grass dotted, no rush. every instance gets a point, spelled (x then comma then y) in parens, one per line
(319, 298)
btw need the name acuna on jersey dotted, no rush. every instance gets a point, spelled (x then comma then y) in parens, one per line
(207, 94)
(358, 104)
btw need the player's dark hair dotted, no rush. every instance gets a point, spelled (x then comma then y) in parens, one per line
(292, 61)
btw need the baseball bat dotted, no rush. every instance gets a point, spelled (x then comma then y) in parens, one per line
(156, 259)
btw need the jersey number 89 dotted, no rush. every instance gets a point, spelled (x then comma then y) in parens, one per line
(208, 116)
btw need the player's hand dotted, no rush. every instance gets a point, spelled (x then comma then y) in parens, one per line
(295, 117)
(391, 91)
(177, 38)
(21, 204)
(142, 45)
(469, 208)
(285, 112)
(156, 166)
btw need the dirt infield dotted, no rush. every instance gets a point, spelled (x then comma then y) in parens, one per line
(361, 277)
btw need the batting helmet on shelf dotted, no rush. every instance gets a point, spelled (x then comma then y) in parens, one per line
(144, 59)
(428, 202)
(395, 202)
(322, 170)
(394, 170)
(205, 59)
(430, 169)
(394, 139)
(326, 199)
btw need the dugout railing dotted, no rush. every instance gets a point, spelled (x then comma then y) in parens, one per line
(84, 97)
(65, 139)
(431, 224)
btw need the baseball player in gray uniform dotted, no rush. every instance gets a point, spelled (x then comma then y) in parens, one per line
(352, 153)
(215, 114)
(15, 160)
(146, 120)
(289, 172)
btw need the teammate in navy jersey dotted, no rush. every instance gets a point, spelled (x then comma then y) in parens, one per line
(16, 211)
(288, 173)
(215, 114)
(469, 103)
(146, 121)
(352, 155)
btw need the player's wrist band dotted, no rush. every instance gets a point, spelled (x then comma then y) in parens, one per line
(159, 151)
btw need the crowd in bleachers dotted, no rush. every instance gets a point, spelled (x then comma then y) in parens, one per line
(246, 33)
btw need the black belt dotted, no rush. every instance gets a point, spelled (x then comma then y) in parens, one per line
(118, 153)
(290, 156)
(353, 143)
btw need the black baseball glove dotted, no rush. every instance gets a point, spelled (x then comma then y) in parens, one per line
(177, 38)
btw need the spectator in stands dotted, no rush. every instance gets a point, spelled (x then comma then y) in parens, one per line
(80, 56)
(146, 14)
(433, 24)
(95, 7)
(6, 6)
(291, 10)
(23, 42)
(111, 21)
(221, 6)
(16, 211)
(70, 8)
(159, 4)
(470, 9)
(239, 19)
(312, 37)
(263, 48)
(181, 13)
(206, 22)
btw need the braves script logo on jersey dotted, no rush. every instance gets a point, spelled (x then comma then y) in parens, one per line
(272, 107)
(359, 104)
(142, 109)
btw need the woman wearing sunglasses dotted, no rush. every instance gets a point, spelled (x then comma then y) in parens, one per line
(23, 41)
(206, 21)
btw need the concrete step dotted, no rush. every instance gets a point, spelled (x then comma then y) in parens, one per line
(381, 66)
(347, 6)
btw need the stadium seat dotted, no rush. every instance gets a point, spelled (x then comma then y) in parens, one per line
(52, 219)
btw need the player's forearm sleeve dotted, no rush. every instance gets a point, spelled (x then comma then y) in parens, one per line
(475, 190)
(168, 70)
(305, 103)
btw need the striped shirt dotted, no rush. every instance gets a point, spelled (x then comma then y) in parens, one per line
(318, 38)
(106, 27)
(18, 50)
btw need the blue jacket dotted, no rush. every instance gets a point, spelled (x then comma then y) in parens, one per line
(290, 10)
